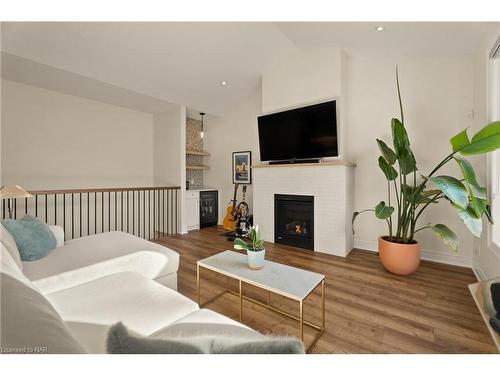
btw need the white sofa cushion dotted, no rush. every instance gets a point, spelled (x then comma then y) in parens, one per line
(10, 244)
(142, 304)
(29, 324)
(9, 266)
(88, 258)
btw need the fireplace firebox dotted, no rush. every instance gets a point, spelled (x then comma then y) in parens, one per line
(294, 220)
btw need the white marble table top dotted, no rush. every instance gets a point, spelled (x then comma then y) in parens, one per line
(291, 282)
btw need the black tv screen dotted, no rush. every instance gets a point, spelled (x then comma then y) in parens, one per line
(303, 133)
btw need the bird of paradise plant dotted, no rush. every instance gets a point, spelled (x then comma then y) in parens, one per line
(408, 195)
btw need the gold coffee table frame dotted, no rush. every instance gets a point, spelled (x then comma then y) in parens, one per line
(300, 318)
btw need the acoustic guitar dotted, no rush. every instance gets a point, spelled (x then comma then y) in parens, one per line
(231, 218)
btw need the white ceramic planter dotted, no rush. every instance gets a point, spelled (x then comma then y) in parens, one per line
(256, 259)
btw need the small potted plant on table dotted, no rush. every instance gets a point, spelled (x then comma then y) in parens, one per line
(398, 250)
(255, 250)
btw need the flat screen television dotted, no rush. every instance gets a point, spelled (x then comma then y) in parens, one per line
(299, 134)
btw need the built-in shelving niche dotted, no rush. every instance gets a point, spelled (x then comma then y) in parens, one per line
(195, 154)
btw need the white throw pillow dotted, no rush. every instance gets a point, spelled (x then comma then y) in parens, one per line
(58, 234)
(9, 242)
(29, 324)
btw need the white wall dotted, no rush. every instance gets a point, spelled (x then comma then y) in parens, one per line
(53, 140)
(235, 131)
(168, 150)
(306, 77)
(170, 155)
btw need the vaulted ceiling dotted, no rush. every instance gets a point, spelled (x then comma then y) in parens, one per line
(149, 65)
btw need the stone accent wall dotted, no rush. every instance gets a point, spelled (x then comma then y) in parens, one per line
(194, 142)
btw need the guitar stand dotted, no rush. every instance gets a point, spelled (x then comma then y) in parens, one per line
(232, 235)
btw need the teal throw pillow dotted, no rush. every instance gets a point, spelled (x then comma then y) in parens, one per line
(33, 237)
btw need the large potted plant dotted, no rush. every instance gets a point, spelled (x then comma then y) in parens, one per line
(255, 249)
(410, 193)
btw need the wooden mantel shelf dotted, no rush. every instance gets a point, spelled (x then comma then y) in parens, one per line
(197, 167)
(197, 152)
(320, 164)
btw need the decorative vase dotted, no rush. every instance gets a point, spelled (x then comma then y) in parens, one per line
(256, 258)
(399, 258)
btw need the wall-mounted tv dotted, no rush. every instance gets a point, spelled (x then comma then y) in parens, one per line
(297, 134)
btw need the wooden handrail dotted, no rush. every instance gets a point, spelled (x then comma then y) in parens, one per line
(101, 190)
(147, 212)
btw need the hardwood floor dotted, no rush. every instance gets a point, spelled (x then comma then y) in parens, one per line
(368, 310)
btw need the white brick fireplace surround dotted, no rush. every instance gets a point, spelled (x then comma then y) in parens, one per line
(332, 185)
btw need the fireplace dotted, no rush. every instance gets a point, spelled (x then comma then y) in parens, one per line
(294, 220)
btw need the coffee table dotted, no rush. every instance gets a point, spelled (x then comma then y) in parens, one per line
(290, 282)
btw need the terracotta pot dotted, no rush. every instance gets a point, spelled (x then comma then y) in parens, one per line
(399, 258)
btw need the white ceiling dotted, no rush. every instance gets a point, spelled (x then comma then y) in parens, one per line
(22, 70)
(160, 63)
(405, 39)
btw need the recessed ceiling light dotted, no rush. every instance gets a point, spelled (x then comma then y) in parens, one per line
(380, 28)
(223, 83)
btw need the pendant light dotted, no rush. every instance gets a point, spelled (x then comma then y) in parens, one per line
(201, 132)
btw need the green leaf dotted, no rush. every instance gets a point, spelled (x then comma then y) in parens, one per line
(473, 223)
(428, 193)
(408, 163)
(389, 172)
(239, 244)
(413, 195)
(447, 235)
(389, 155)
(408, 192)
(399, 95)
(480, 192)
(476, 192)
(399, 137)
(485, 140)
(422, 199)
(382, 211)
(401, 142)
(453, 189)
(355, 215)
(479, 207)
(460, 141)
(470, 177)
(487, 211)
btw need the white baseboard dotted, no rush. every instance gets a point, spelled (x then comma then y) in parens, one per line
(478, 272)
(434, 256)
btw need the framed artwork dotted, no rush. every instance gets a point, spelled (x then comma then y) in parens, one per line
(242, 172)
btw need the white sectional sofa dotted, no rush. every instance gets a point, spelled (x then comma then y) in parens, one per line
(84, 259)
(94, 282)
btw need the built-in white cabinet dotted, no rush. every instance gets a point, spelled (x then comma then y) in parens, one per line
(193, 210)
